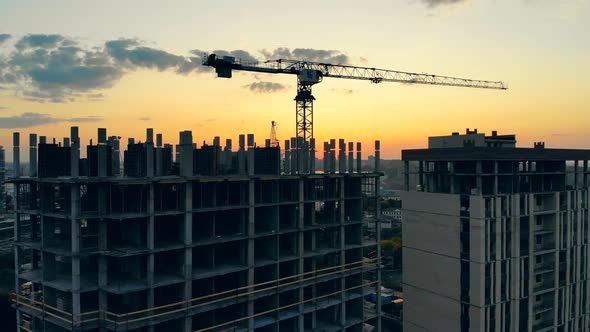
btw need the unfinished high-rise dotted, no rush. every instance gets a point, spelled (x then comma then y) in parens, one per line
(202, 239)
(496, 237)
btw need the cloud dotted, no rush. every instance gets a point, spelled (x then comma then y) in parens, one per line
(39, 40)
(145, 118)
(3, 108)
(55, 68)
(308, 54)
(4, 37)
(30, 119)
(265, 87)
(435, 3)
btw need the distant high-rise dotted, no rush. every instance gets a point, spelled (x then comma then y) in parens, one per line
(496, 238)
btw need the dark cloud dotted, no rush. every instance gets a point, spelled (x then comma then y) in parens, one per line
(3, 108)
(35, 119)
(39, 40)
(265, 87)
(308, 54)
(128, 52)
(435, 3)
(54, 68)
(4, 37)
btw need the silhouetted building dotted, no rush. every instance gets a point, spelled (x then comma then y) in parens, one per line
(217, 240)
(495, 237)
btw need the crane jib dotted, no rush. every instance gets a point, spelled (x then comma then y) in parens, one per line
(310, 73)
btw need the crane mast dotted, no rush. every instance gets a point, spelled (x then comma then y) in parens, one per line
(311, 73)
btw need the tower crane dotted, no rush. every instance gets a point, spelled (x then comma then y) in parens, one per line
(311, 73)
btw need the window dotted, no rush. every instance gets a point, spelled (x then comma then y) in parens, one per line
(539, 259)
(538, 278)
(539, 240)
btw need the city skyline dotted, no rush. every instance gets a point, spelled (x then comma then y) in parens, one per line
(538, 49)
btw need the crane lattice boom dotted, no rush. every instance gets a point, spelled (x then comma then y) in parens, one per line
(310, 73)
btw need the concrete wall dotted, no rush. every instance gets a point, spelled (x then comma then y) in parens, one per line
(426, 311)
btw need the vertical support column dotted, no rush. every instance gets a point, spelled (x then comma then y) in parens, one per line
(378, 233)
(75, 239)
(421, 175)
(495, 177)
(159, 156)
(16, 251)
(250, 251)
(377, 156)
(332, 156)
(359, 157)
(350, 157)
(102, 152)
(16, 154)
(102, 259)
(149, 149)
(406, 175)
(312, 156)
(341, 221)
(74, 152)
(186, 153)
(241, 154)
(287, 160)
(188, 252)
(452, 177)
(326, 157)
(341, 156)
(33, 155)
(478, 171)
(301, 249)
(150, 244)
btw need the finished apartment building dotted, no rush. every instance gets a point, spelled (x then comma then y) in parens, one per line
(495, 236)
(211, 240)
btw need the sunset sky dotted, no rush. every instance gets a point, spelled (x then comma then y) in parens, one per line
(128, 65)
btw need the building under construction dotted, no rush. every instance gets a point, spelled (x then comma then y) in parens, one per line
(197, 239)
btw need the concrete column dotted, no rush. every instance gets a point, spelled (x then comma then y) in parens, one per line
(478, 171)
(32, 155)
(350, 157)
(294, 156)
(188, 252)
(341, 156)
(102, 152)
(16, 154)
(312, 156)
(342, 246)
(75, 239)
(326, 157)
(377, 156)
(186, 153)
(150, 243)
(332, 155)
(301, 246)
(378, 234)
(251, 243)
(359, 157)
(74, 152)
(287, 160)
(406, 175)
(242, 155)
(102, 259)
